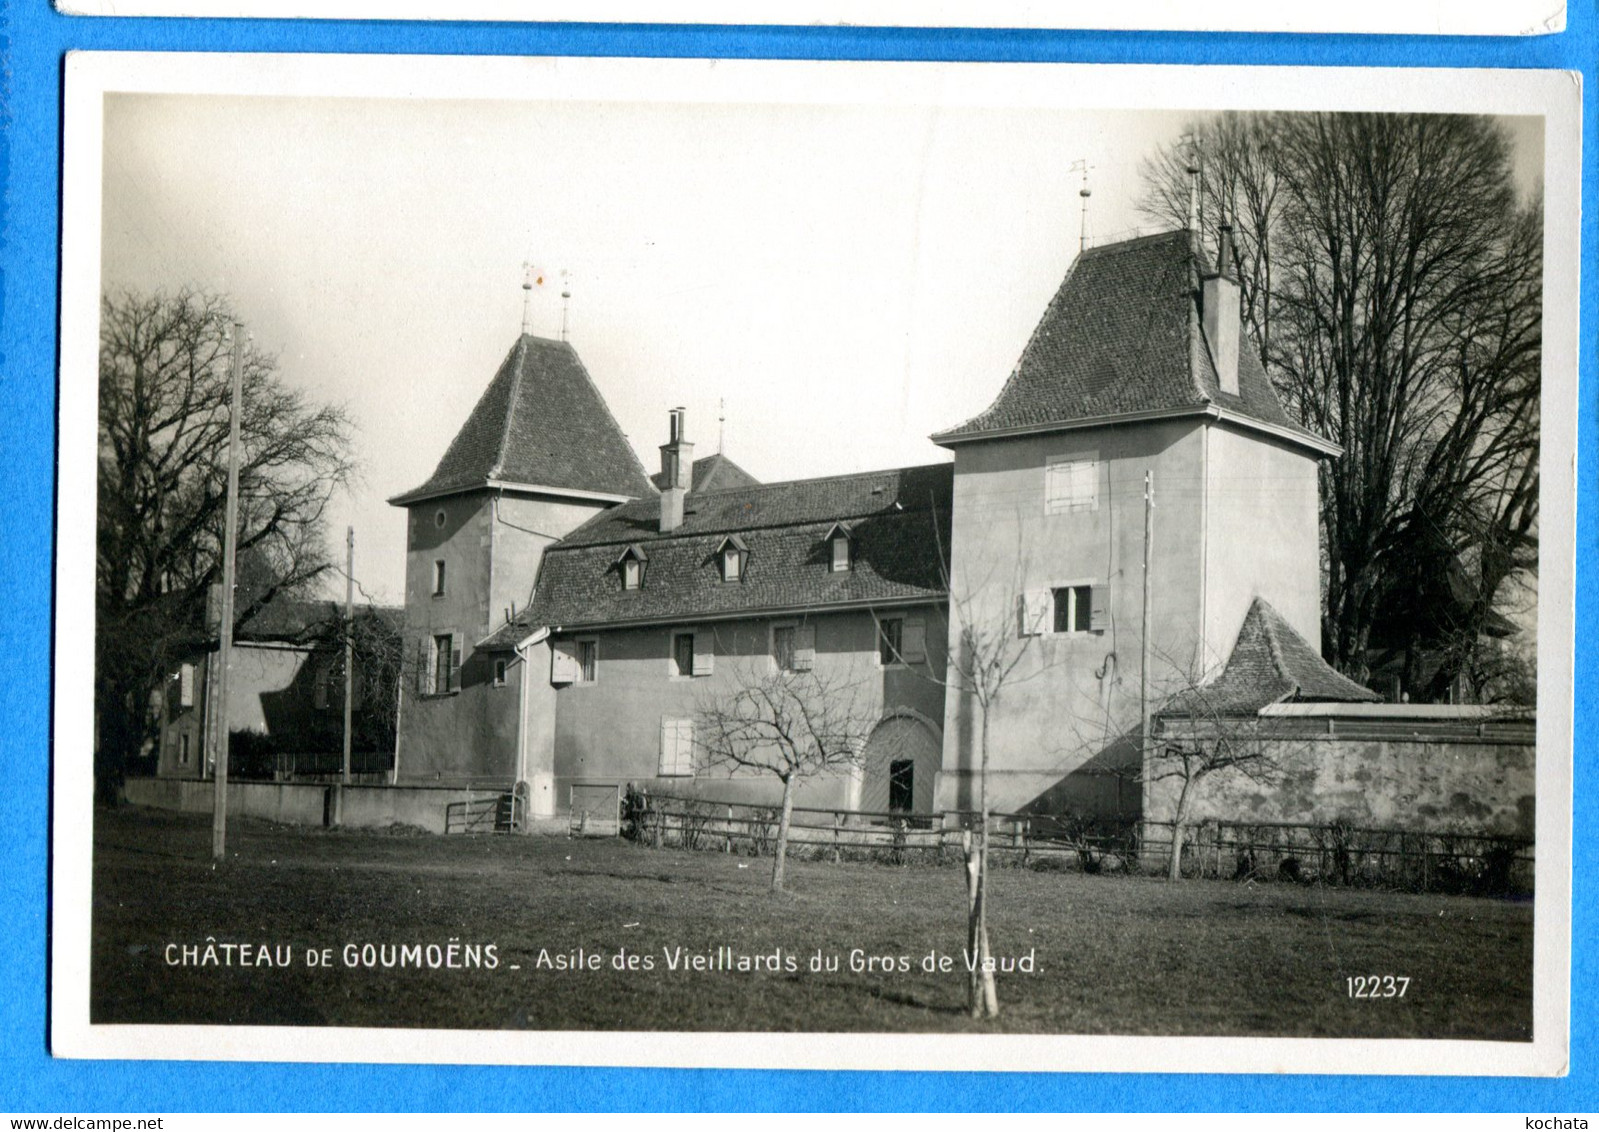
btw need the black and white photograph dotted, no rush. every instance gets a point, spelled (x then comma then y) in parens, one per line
(870, 565)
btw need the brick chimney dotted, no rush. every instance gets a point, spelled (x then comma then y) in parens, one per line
(1219, 306)
(677, 472)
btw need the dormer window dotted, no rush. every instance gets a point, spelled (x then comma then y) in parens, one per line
(733, 558)
(838, 542)
(631, 565)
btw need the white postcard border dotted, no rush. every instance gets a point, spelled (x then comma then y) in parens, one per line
(1370, 17)
(89, 76)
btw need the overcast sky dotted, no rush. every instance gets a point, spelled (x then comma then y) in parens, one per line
(848, 279)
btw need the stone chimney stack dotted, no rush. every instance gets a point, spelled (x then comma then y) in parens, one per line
(1220, 308)
(677, 472)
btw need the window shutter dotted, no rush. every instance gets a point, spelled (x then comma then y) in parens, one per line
(677, 747)
(186, 685)
(455, 670)
(1057, 488)
(1036, 607)
(804, 648)
(1099, 608)
(685, 746)
(913, 643)
(1071, 484)
(563, 662)
(1085, 485)
(424, 670)
(704, 656)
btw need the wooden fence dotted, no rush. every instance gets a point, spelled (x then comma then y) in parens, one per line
(1417, 860)
(742, 827)
(262, 764)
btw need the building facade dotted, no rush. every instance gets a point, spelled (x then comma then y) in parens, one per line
(1134, 491)
(285, 713)
(1138, 410)
(539, 455)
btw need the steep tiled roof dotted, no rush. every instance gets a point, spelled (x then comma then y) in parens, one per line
(898, 521)
(293, 621)
(712, 473)
(540, 422)
(789, 503)
(1270, 663)
(1121, 336)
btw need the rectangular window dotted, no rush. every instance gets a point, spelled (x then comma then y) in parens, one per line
(783, 646)
(683, 654)
(324, 681)
(443, 669)
(186, 685)
(499, 673)
(1071, 483)
(732, 565)
(632, 573)
(438, 578)
(183, 749)
(805, 648)
(1073, 609)
(677, 747)
(840, 554)
(890, 636)
(588, 661)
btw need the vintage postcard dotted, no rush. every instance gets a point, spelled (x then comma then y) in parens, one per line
(816, 564)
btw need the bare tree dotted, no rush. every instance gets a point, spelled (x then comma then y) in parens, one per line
(992, 650)
(986, 659)
(993, 636)
(790, 725)
(1391, 279)
(163, 437)
(1201, 735)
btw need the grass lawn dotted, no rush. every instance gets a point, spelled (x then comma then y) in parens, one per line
(1112, 954)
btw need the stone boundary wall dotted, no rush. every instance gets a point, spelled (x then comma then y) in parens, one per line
(1421, 768)
(315, 804)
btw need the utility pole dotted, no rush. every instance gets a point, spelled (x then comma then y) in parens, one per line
(349, 640)
(1143, 667)
(230, 546)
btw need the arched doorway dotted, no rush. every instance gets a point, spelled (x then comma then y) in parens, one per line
(901, 765)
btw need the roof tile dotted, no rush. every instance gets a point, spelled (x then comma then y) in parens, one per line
(711, 473)
(542, 422)
(1270, 663)
(899, 527)
(1122, 335)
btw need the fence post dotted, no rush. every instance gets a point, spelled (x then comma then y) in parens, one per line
(727, 837)
(837, 819)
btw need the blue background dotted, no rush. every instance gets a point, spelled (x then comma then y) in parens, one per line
(35, 42)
